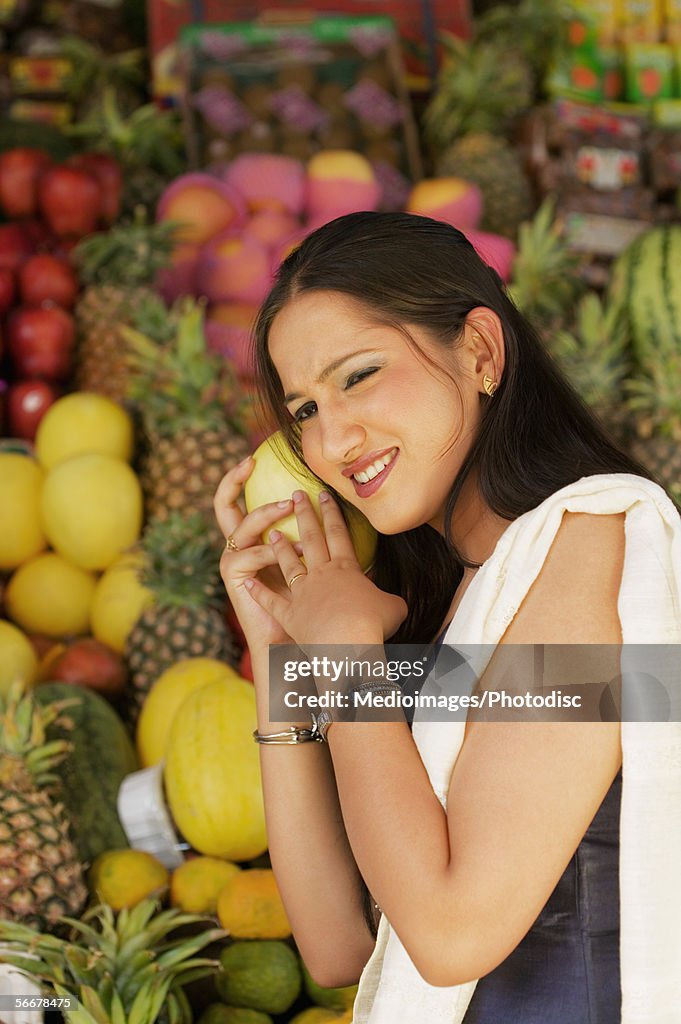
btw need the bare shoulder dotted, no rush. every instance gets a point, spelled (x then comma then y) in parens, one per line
(574, 597)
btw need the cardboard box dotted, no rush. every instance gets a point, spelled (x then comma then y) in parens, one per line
(640, 21)
(672, 17)
(418, 23)
(649, 72)
(326, 83)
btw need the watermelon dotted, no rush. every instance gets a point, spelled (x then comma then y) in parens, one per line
(646, 284)
(91, 773)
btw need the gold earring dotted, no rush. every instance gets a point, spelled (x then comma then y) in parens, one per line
(489, 385)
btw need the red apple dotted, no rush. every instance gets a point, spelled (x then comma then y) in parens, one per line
(70, 200)
(27, 403)
(88, 662)
(20, 170)
(45, 278)
(8, 289)
(108, 173)
(41, 342)
(15, 246)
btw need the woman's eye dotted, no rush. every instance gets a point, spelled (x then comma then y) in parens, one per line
(304, 412)
(355, 378)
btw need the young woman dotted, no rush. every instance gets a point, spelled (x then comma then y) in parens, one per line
(497, 852)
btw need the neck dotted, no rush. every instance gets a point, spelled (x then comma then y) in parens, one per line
(475, 529)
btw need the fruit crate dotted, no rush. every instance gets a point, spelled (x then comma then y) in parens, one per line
(295, 87)
(418, 23)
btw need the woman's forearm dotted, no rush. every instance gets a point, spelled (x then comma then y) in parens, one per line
(396, 827)
(311, 857)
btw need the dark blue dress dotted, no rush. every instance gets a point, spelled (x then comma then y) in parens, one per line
(566, 970)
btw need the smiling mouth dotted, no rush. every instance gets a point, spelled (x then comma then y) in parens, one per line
(364, 476)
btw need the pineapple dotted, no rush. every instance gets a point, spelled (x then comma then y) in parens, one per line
(481, 87)
(41, 877)
(186, 619)
(185, 397)
(654, 398)
(537, 28)
(493, 165)
(118, 268)
(593, 356)
(545, 283)
(124, 969)
(148, 144)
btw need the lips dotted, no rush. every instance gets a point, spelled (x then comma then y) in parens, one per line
(369, 488)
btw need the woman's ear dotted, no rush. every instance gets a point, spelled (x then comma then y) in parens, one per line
(485, 338)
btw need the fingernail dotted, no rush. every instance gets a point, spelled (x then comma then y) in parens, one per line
(244, 462)
(298, 496)
(249, 584)
(324, 496)
(274, 535)
(284, 504)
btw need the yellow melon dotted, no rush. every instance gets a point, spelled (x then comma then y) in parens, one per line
(165, 698)
(21, 532)
(212, 772)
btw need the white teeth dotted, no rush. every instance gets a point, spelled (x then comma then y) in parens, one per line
(365, 475)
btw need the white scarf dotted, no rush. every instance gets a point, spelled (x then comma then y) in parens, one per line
(391, 990)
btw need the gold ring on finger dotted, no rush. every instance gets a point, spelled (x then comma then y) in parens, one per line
(296, 576)
(231, 543)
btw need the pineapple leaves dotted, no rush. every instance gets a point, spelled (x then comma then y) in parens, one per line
(116, 970)
(92, 1004)
(544, 283)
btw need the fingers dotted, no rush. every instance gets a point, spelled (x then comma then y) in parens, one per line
(311, 532)
(338, 539)
(236, 566)
(272, 603)
(289, 563)
(227, 512)
(257, 524)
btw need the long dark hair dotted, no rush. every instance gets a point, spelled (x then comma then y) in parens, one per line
(535, 435)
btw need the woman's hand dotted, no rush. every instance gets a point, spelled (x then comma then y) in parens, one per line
(328, 600)
(250, 557)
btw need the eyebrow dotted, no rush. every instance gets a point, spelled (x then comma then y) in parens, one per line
(327, 371)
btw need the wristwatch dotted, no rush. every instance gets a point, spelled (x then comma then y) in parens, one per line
(322, 722)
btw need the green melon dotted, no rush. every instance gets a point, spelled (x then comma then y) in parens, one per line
(646, 283)
(90, 775)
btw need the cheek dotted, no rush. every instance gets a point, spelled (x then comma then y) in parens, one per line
(311, 448)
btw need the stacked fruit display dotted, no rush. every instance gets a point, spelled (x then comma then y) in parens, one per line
(49, 207)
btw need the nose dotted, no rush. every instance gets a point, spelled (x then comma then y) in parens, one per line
(342, 436)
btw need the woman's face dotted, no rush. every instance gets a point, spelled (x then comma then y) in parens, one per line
(382, 426)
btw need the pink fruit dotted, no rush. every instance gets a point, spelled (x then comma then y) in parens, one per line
(268, 181)
(341, 180)
(228, 332)
(452, 200)
(180, 277)
(497, 251)
(284, 248)
(232, 268)
(271, 227)
(205, 206)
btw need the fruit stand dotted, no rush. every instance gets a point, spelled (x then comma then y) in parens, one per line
(144, 215)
